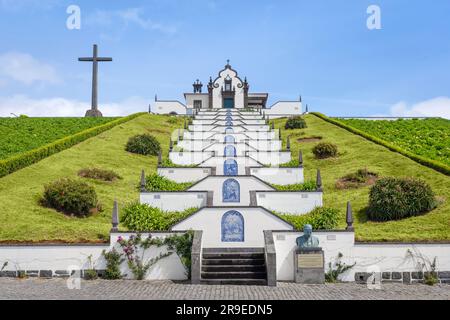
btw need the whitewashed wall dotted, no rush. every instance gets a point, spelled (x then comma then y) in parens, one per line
(296, 203)
(386, 257)
(271, 158)
(215, 184)
(174, 201)
(189, 158)
(190, 97)
(266, 145)
(181, 175)
(235, 82)
(219, 149)
(256, 220)
(166, 107)
(75, 257)
(195, 145)
(284, 108)
(285, 245)
(242, 162)
(280, 176)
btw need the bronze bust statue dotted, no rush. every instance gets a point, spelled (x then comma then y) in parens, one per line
(307, 240)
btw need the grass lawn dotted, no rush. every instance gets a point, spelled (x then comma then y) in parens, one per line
(24, 220)
(355, 153)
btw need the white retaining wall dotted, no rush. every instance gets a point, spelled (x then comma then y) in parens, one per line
(256, 220)
(368, 257)
(296, 203)
(215, 184)
(270, 158)
(189, 158)
(174, 201)
(280, 176)
(242, 162)
(181, 175)
(75, 257)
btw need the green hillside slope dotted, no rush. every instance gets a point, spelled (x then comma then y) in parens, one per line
(23, 219)
(357, 153)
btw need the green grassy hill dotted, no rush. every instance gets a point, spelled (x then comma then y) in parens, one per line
(357, 153)
(24, 220)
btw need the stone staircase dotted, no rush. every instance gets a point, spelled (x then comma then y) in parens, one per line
(233, 266)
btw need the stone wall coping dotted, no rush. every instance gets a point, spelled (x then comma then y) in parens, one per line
(284, 191)
(314, 231)
(173, 192)
(361, 243)
(56, 244)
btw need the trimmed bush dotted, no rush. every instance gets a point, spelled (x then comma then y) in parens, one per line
(399, 198)
(155, 182)
(71, 197)
(295, 123)
(325, 150)
(436, 165)
(142, 217)
(321, 218)
(99, 174)
(144, 144)
(25, 159)
(307, 186)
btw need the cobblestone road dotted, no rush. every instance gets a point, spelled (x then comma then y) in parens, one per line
(102, 289)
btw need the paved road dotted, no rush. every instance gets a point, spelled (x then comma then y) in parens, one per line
(122, 289)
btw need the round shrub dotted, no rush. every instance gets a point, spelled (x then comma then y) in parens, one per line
(295, 123)
(325, 150)
(142, 217)
(399, 198)
(143, 144)
(71, 197)
(321, 218)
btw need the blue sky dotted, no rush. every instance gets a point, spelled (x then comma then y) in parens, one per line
(320, 49)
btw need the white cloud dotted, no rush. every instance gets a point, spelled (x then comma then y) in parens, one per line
(130, 16)
(24, 68)
(437, 107)
(61, 107)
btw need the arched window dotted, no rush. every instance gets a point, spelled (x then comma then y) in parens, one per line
(230, 139)
(231, 191)
(229, 130)
(230, 168)
(232, 226)
(230, 151)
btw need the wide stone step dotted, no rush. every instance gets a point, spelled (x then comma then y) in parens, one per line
(234, 268)
(233, 255)
(235, 282)
(233, 261)
(233, 250)
(234, 275)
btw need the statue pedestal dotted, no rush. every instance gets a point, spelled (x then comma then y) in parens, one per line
(93, 113)
(309, 266)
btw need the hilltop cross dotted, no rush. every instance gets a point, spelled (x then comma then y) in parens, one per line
(94, 112)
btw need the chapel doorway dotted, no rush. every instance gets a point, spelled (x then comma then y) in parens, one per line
(228, 103)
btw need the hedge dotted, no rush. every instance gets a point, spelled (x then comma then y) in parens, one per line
(419, 159)
(28, 158)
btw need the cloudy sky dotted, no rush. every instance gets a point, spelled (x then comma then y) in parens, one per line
(320, 49)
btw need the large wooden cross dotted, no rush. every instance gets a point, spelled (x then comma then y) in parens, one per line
(94, 112)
